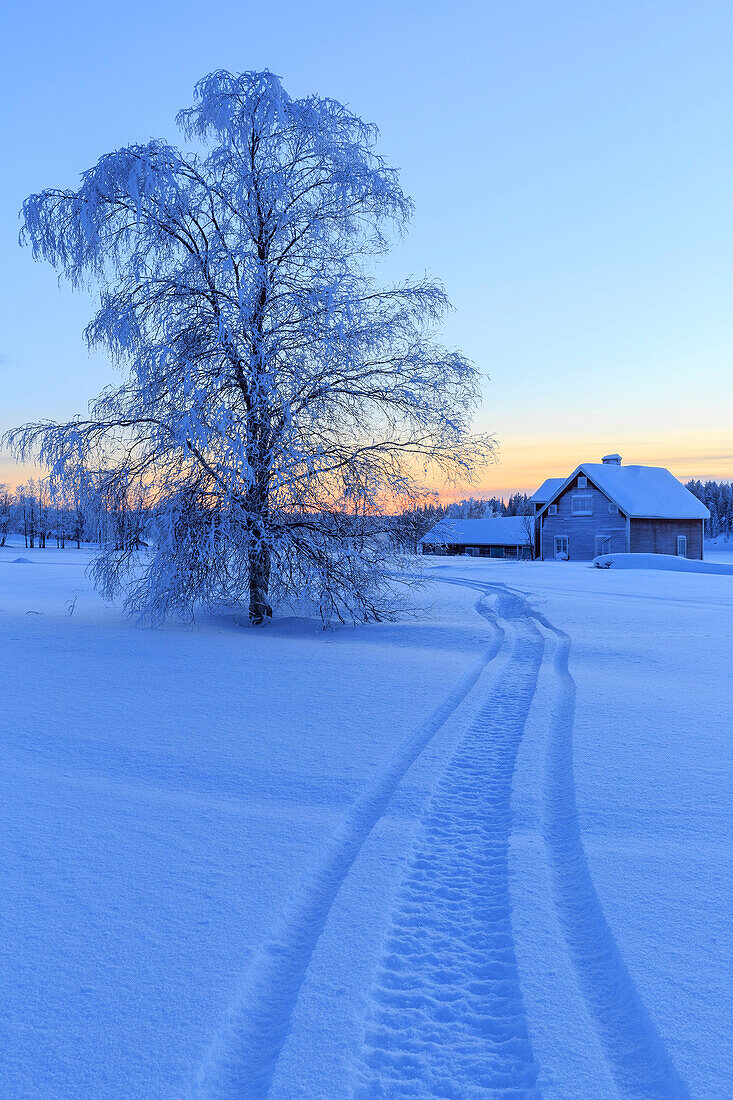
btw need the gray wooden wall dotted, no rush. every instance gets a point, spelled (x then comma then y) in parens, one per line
(659, 536)
(582, 530)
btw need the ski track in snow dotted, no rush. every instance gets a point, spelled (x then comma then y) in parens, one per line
(447, 1018)
(242, 1058)
(635, 1052)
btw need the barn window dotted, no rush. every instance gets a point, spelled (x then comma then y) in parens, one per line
(582, 506)
(552, 510)
(613, 509)
(582, 482)
(561, 547)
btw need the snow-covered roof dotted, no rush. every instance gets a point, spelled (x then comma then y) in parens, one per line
(547, 489)
(495, 531)
(642, 492)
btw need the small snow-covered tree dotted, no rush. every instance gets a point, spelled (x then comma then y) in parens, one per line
(28, 513)
(275, 396)
(529, 530)
(6, 506)
(409, 526)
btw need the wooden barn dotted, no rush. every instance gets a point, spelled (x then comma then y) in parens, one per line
(608, 508)
(495, 537)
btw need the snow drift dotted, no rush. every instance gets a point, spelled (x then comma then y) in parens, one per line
(659, 561)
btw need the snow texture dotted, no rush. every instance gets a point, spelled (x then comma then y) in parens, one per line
(480, 852)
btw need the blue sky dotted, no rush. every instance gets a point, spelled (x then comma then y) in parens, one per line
(571, 165)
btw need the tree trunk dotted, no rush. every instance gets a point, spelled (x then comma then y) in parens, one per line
(259, 584)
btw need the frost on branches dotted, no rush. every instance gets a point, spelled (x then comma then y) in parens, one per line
(277, 404)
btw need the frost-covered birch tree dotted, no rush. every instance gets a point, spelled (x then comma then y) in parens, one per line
(275, 400)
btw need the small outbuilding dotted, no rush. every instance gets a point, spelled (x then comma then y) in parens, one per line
(495, 537)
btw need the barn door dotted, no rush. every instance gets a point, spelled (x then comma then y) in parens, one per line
(603, 545)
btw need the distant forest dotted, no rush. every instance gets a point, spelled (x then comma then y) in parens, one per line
(106, 520)
(718, 498)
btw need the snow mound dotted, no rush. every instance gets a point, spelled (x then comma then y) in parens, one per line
(659, 561)
(21, 561)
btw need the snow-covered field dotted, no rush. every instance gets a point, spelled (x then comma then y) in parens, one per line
(484, 851)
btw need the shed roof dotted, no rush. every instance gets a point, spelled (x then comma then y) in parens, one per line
(547, 489)
(642, 492)
(494, 531)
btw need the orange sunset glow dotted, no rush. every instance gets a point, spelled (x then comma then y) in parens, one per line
(522, 464)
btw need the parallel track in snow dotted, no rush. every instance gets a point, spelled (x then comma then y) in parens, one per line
(635, 1052)
(446, 1017)
(244, 1053)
